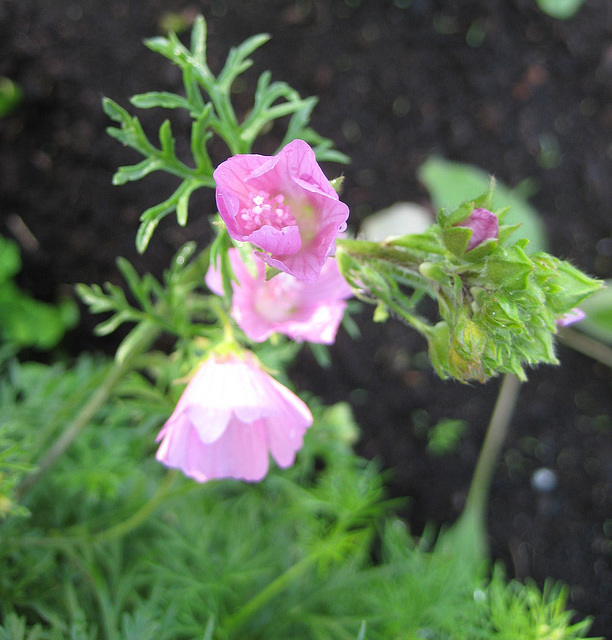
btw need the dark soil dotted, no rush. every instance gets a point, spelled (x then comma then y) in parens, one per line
(479, 81)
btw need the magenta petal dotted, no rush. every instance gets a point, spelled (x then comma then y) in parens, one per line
(269, 201)
(484, 225)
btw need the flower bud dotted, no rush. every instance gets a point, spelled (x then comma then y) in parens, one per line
(484, 225)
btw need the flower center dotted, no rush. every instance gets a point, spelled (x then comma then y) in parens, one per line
(264, 209)
(277, 299)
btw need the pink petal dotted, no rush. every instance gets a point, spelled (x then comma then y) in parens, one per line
(241, 453)
(286, 241)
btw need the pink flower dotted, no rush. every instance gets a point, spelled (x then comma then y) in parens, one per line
(575, 315)
(284, 205)
(229, 417)
(484, 226)
(284, 304)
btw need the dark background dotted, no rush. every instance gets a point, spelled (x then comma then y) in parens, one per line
(495, 83)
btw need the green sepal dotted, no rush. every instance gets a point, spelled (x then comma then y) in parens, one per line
(381, 312)
(420, 243)
(271, 272)
(505, 231)
(509, 268)
(463, 211)
(566, 287)
(485, 248)
(456, 239)
(433, 271)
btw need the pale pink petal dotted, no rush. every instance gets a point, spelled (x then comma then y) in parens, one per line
(208, 437)
(321, 325)
(213, 280)
(182, 449)
(241, 453)
(299, 309)
(284, 442)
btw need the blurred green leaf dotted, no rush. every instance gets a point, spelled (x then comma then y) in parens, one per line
(560, 9)
(598, 309)
(11, 96)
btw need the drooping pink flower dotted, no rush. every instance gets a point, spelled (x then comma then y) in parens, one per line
(284, 205)
(231, 416)
(575, 315)
(284, 304)
(484, 225)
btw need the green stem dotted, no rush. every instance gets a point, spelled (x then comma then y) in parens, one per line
(480, 486)
(275, 587)
(137, 518)
(586, 345)
(360, 249)
(466, 540)
(86, 414)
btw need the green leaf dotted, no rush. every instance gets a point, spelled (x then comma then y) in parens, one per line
(198, 40)
(11, 96)
(237, 60)
(136, 171)
(451, 183)
(598, 309)
(10, 259)
(560, 9)
(161, 99)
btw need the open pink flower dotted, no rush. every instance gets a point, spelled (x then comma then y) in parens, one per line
(284, 304)
(284, 205)
(229, 418)
(484, 225)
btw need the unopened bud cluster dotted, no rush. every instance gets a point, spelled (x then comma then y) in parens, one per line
(498, 304)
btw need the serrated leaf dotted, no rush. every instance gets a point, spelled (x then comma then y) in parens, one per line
(133, 280)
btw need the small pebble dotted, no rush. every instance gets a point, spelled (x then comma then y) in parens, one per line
(544, 480)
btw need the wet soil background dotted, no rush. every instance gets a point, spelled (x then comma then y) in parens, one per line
(495, 83)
